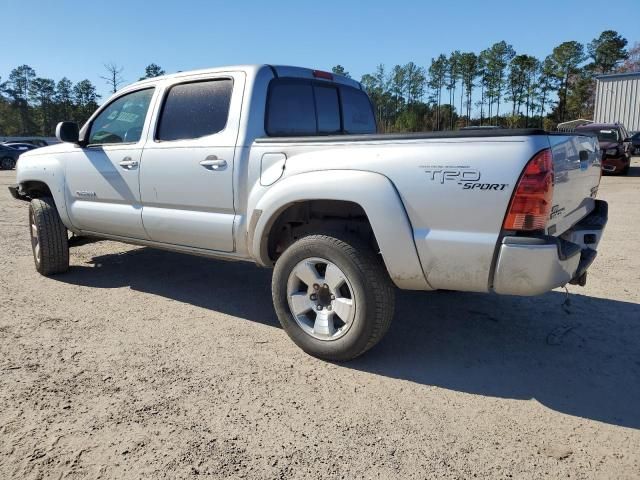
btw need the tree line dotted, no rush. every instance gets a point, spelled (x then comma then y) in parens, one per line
(496, 86)
(33, 105)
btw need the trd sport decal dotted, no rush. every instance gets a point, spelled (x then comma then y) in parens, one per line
(468, 178)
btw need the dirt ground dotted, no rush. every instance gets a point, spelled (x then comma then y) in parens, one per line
(147, 364)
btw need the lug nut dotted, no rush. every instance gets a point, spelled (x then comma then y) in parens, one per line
(314, 297)
(316, 286)
(333, 297)
(319, 307)
(328, 307)
(325, 286)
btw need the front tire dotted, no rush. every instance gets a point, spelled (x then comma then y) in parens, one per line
(7, 163)
(625, 170)
(49, 240)
(333, 296)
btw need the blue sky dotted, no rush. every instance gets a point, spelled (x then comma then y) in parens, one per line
(74, 39)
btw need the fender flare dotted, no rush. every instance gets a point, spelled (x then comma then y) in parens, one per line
(377, 196)
(47, 170)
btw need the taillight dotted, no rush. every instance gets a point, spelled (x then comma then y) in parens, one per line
(531, 203)
(321, 74)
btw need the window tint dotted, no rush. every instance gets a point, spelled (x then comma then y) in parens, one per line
(328, 109)
(307, 107)
(291, 110)
(122, 120)
(193, 110)
(357, 111)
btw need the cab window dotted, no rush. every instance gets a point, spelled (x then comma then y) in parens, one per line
(195, 109)
(301, 107)
(122, 120)
(357, 111)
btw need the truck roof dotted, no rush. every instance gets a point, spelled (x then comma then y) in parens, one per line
(596, 126)
(278, 71)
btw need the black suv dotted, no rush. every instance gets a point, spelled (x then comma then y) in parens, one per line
(615, 145)
(635, 143)
(8, 157)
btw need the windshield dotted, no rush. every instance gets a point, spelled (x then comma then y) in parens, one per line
(605, 134)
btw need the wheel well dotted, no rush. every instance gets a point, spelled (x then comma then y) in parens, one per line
(35, 189)
(303, 218)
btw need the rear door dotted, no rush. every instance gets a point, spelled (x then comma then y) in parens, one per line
(187, 165)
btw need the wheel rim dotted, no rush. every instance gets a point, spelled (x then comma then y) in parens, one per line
(321, 299)
(35, 242)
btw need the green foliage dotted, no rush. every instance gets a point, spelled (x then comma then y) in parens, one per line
(32, 105)
(498, 58)
(542, 92)
(607, 51)
(152, 70)
(339, 70)
(468, 73)
(580, 98)
(41, 95)
(523, 74)
(437, 78)
(565, 60)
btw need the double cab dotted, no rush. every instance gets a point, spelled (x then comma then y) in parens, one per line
(282, 166)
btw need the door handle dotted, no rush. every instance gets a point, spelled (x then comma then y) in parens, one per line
(214, 163)
(128, 164)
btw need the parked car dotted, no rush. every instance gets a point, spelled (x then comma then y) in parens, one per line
(8, 157)
(281, 166)
(635, 142)
(615, 143)
(21, 146)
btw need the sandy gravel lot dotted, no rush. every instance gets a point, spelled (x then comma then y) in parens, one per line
(146, 364)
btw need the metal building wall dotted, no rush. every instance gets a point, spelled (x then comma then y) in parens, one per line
(618, 100)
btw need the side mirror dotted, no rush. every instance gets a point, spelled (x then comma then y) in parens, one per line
(68, 132)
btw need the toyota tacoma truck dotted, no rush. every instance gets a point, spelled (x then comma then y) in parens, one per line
(282, 166)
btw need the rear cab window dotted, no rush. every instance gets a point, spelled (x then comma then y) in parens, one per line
(303, 107)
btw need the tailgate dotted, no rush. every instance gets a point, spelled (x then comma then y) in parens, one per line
(576, 163)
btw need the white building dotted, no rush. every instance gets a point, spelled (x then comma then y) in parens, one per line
(618, 99)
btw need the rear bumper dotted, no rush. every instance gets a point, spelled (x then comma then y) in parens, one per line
(535, 265)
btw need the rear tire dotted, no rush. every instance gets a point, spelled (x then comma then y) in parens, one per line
(354, 297)
(49, 240)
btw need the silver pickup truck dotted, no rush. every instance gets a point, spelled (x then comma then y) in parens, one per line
(281, 166)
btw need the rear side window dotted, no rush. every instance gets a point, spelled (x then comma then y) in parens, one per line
(298, 107)
(194, 110)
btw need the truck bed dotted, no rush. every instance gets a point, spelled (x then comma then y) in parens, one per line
(377, 137)
(456, 186)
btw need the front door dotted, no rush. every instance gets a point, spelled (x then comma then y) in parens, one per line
(186, 178)
(103, 186)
